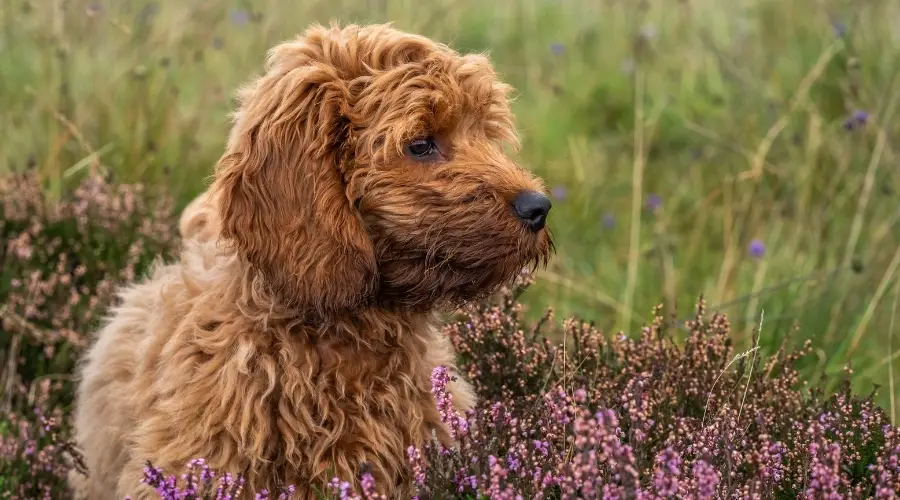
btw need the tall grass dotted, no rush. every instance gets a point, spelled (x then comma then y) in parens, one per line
(742, 149)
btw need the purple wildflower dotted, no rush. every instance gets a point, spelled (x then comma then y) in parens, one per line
(858, 118)
(706, 480)
(456, 424)
(757, 248)
(839, 29)
(609, 220)
(668, 470)
(654, 202)
(239, 17)
(559, 192)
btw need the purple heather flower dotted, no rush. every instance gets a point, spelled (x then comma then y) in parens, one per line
(666, 477)
(418, 466)
(757, 248)
(654, 202)
(559, 192)
(839, 29)
(457, 424)
(825, 476)
(580, 395)
(706, 479)
(512, 462)
(240, 17)
(609, 220)
(859, 118)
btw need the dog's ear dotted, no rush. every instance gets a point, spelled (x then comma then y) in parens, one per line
(282, 196)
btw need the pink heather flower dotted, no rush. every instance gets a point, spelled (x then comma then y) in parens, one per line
(416, 462)
(343, 488)
(886, 475)
(637, 402)
(668, 471)
(598, 447)
(706, 480)
(457, 425)
(654, 202)
(825, 474)
(368, 487)
(580, 395)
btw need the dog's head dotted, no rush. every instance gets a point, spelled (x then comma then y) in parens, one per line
(367, 166)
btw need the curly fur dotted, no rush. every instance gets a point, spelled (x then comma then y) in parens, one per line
(294, 338)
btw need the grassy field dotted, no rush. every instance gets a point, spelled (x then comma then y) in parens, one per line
(742, 150)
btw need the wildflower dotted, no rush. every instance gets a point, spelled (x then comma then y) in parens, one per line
(858, 118)
(654, 202)
(825, 476)
(368, 487)
(757, 248)
(839, 29)
(456, 424)
(666, 477)
(557, 48)
(239, 17)
(559, 192)
(580, 395)
(706, 479)
(609, 220)
(418, 467)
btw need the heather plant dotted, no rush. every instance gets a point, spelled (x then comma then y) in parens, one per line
(35, 453)
(199, 482)
(650, 417)
(565, 411)
(61, 262)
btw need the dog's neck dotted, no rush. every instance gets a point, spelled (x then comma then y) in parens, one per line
(217, 273)
(384, 327)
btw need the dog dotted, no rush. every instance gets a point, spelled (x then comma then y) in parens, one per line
(367, 185)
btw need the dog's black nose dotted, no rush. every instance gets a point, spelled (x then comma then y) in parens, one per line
(532, 207)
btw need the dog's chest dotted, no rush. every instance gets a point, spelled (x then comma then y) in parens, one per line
(300, 411)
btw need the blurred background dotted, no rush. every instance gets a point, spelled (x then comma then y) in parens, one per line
(741, 150)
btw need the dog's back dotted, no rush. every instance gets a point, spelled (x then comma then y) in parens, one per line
(108, 374)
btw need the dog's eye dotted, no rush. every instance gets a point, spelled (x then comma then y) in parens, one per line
(422, 148)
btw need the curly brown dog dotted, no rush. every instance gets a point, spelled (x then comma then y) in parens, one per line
(364, 187)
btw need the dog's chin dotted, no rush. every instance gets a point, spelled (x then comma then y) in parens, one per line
(419, 283)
